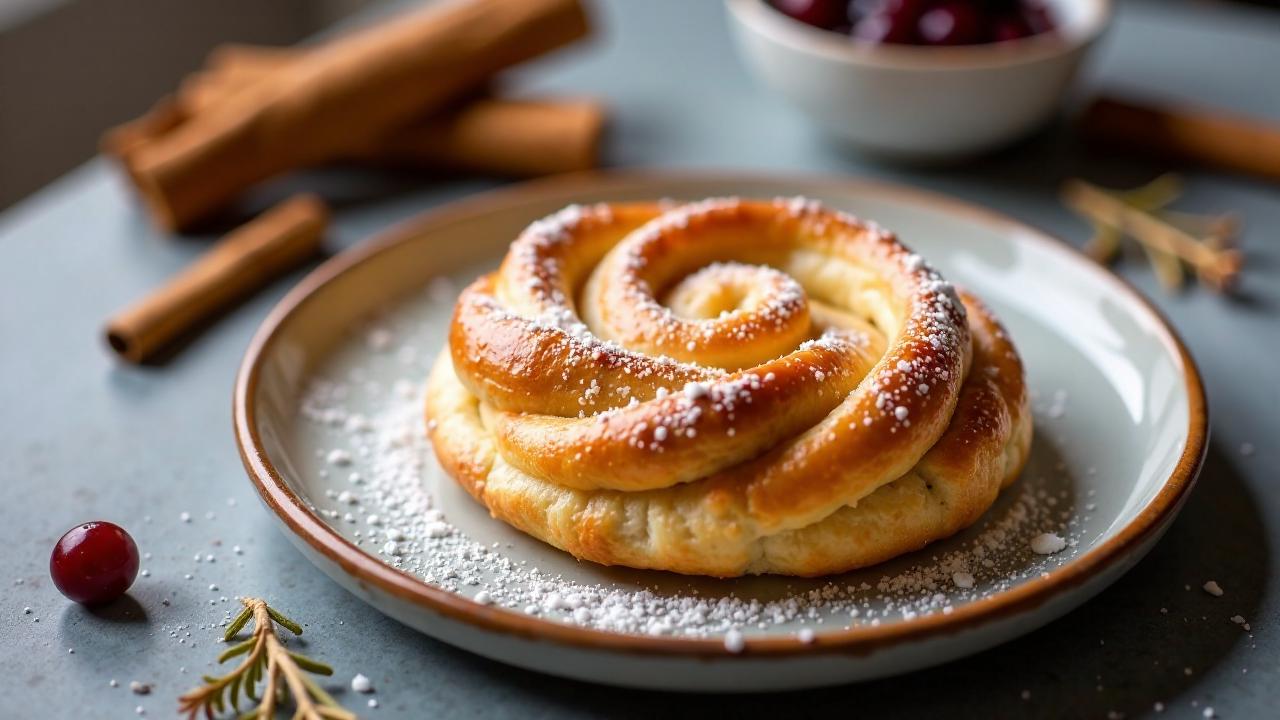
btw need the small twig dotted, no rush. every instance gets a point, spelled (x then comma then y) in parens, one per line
(1104, 246)
(1166, 266)
(1216, 266)
(265, 657)
(1218, 231)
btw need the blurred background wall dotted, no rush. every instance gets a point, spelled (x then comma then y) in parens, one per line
(70, 68)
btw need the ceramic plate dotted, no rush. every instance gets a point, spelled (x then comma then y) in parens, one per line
(328, 419)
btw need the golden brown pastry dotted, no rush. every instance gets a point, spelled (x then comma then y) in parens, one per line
(726, 387)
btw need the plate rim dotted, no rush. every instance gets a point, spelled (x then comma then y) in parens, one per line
(308, 526)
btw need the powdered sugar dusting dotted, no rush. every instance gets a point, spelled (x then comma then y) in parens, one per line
(407, 512)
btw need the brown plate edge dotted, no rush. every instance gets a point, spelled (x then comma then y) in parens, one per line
(861, 640)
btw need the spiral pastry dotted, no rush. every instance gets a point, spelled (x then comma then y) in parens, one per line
(726, 387)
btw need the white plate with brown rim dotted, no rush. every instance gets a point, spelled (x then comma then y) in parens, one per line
(329, 423)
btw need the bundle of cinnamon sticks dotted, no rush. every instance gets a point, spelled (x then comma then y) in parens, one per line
(412, 91)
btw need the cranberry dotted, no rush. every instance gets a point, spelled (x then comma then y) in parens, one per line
(1009, 27)
(825, 14)
(951, 23)
(924, 22)
(858, 9)
(885, 28)
(885, 21)
(906, 8)
(94, 563)
(1037, 17)
(899, 9)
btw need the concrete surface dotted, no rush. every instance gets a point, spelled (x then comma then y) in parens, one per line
(85, 437)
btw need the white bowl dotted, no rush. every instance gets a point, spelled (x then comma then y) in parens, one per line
(912, 102)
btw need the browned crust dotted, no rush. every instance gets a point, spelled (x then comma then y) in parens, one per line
(982, 449)
(514, 364)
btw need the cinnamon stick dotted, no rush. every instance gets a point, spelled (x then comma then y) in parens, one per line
(509, 138)
(495, 136)
(248, 258)
(239, 61)
(1186, 134)
(232, 68)
(168, 113)
(354, 88)
(512, 138)
(229, 68)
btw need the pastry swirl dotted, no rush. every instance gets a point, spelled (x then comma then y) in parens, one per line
(726, 387)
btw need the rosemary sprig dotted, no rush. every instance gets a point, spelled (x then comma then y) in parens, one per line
(265, 659)
(1170, 239)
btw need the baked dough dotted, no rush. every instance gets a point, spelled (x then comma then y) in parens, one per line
(726, 387)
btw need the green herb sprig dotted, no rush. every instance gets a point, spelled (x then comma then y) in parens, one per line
(266, 660)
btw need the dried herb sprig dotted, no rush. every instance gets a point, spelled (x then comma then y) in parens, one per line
(1170, 239)
(265, 659)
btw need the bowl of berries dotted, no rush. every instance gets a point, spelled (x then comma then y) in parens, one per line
(920, 79)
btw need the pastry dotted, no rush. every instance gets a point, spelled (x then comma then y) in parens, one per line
(726, 387)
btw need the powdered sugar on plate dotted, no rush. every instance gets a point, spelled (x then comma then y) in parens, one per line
(369, 470)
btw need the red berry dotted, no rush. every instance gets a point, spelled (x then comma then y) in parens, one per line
(885, 28)
(825, 14)
(887, 21)
(1009, 27)
(94, 563)
(951, 23)
(906, 8)
(1037, 17)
